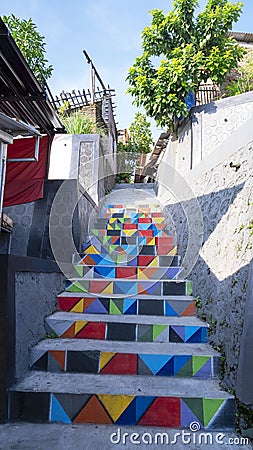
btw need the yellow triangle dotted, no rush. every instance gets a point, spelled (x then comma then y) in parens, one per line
(173, 252)
(158, 219)
(79, 324)
(141, 275)
(112, 219)
(105, 357)
(152, 242)
(108, 289)
(91, 250)
(115, 405)
(129, 232)
(154, 263)
(78, 308)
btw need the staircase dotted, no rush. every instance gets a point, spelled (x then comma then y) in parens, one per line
(129, 348)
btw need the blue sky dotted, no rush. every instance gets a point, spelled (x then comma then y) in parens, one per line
(109, 30)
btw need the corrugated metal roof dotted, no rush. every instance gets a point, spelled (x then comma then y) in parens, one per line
(241, 37)
(21, 95)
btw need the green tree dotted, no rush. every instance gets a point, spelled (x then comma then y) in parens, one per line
(190, 49)
(31, 44)
(140, 134)
(243, 81)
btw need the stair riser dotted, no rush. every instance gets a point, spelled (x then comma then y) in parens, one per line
(126, 260)
(130, 273)
(133, 250)
(131, 288)
(169, 412)
(173, 308)
(114, 331)
(97, 362)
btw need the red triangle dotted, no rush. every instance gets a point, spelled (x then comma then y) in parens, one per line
(98, 286)
(67, 303)
(164, 412)
(93, 412)
(93, 330)
(59, 356)
(191, 310)
(88, 261)
(144, 260)
(88, 302)
(70, 332)
(122, 364)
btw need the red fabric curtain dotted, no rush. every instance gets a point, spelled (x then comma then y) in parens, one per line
(25, 180)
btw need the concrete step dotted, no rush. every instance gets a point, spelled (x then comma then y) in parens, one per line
(105, 357)
(128, 328)
(173, 306)
(131, 400)
(125, 287)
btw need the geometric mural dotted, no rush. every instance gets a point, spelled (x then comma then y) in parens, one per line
(127, 291)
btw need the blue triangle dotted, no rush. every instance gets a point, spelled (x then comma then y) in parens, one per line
(57, 413)
(179, 362)
(187, 416)
(155, 362)
(96, 307)
(179, 330)
(169, 311)
(168, 369)
(128, 417)
(133, 262)
(142, 404)
(130, 306)
(205, 371)
(190, 331)
(105, 271)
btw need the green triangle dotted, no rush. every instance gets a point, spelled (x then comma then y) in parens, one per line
(158, 329)
(188, 287)
(120, 258)
(147, 336)
(119, 302)
(198, 362)
(95, 232)
(106, 239)
(121, 219)
(77, 287)
(196, 406)
(112, 248)
(210, 407)
(117, 227)
(114, 309)
(186, 370)
(79, 270)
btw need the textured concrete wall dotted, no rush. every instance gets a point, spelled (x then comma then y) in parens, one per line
(220, 275)
(35, 299)
(210, 127)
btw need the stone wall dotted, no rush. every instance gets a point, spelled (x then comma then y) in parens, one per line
(34, 292)
(212, 205)
(220, 275)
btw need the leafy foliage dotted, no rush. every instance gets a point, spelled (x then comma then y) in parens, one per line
(140, 134)
(190, 50)
(77, 123)
(244, 79)
(31, 44)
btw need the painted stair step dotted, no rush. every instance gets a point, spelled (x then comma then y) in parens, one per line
(129, 287)
(133, 272)
(94, 357)
(128, 328)
(156, 307)
(132, 400)
(125, 260)
(134, 250)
